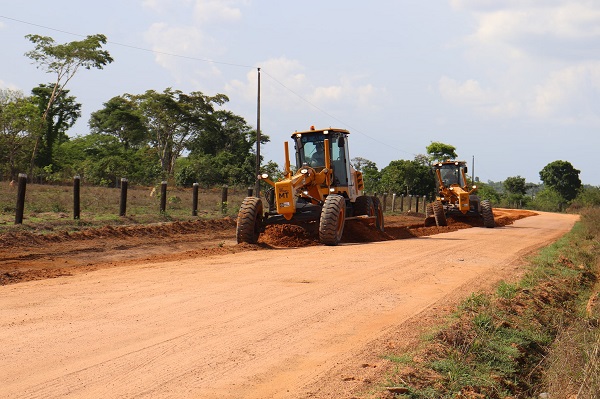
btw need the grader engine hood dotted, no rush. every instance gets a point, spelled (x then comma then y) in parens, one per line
(285, 198)
(305, 182)
(461, 197)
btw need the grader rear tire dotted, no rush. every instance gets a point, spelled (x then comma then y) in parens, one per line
(333, 218)
(249, 221)
(488, 214)
(364, 206)
(438, 213)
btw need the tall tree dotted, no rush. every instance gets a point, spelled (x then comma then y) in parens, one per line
(19, 119)
(361, 164)
(64, 60)
(407, 177)
(515, 185)
(219, 143)
(62, 114)
(438, 151)
(224, 149)
(562, 177)
(121, 118)
(103, 160)
(172, 118)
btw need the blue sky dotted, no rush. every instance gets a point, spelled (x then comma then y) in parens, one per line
(513, 83)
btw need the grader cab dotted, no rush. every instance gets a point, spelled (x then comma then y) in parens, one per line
(454, 197)
(324, 191)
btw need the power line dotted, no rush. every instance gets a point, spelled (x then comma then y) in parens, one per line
(132, 47)
(353, 129)
(220, 63)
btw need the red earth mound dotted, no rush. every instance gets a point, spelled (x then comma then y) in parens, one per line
(396, 227)
(27, 256)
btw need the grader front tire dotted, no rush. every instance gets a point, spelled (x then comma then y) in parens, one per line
(488, 214)
(439, 214)
(429, 216)
(333, 218)
(249, 221)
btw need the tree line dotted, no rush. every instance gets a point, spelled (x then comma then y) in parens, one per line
(561, 186)
(142, 137)
(191, 137)
(138, 136)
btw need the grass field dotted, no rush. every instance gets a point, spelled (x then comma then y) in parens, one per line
(50, 207)
(538, 337)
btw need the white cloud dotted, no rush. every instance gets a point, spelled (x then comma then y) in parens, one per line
(349, 90)
(571, 92)
(162, 6)
(189, 36)
(535, 58)
(284, 85)
(217, 10)
(485, 101)
(205, 11)
(277, 75)
(469, 92)
(548, 28)
(9, 86)
(183, 41)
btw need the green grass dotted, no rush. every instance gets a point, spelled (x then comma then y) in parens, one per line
(527, 337)
(50, 208)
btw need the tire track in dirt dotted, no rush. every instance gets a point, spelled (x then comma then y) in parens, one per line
(281, 322)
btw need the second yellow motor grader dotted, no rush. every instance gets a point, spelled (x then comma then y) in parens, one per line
(455, 197)
(324, 191)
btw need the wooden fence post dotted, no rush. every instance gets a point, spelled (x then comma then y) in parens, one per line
(417, 203)
(22, 186)
(123, 203)
(195, 199)
(401, 203)
(410, 203)
(224, 199)
(76, 197)
(393, 202)
(163, 196)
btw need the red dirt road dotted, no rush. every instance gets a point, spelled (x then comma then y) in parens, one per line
(308, 322)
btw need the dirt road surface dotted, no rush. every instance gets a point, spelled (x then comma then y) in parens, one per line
(310, 322)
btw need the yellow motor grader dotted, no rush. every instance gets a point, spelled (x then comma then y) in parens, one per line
(325, 191)
(455, 197)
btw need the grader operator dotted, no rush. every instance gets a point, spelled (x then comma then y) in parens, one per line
(325, 191)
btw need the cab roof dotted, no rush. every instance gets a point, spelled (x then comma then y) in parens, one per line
(312, 130)
(449, 162)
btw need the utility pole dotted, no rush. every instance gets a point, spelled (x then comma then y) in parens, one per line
(257, 184)
(473, 170)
